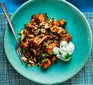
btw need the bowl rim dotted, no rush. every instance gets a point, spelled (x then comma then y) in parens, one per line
(77, 69)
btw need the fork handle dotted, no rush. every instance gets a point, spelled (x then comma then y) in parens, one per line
(8, 19)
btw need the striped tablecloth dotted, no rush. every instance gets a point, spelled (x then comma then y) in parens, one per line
(8, 76)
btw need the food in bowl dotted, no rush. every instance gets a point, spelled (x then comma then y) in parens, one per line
(44, 40)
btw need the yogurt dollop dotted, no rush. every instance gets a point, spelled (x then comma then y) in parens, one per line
(65, 50)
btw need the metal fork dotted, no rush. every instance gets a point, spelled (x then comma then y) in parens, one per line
(18, 48)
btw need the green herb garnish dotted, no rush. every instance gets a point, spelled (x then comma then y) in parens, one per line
(50, 31)
(44, 55)
(19, 39)
(53, 52)
(40, 27)
(24, 50)
(19, 33)
(25, 25)
(67, 56)
(60, 53)
(47, 46)
(44, 60)
(47, 18)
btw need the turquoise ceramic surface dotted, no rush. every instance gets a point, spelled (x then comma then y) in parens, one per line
(77, 26)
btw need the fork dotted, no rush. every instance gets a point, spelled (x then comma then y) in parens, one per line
(18, 48)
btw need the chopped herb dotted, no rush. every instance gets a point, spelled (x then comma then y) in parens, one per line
(24, 50)
(47, 18)
(50, 31)
(56, 61)
(44, 60)
(19, 33)
(67, 56)
(60, 53)
(47, 46)
(24, 39)
(40, 27)
(19, 39)
(25, 25)
(53, 19)
(26, 63)
(52, 52)
(44, 55)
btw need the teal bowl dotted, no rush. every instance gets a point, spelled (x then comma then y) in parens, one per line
(77, 26)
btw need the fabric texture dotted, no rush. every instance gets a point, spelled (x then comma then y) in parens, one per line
(8, 76)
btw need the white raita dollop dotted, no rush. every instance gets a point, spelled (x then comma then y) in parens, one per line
(65, 50)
